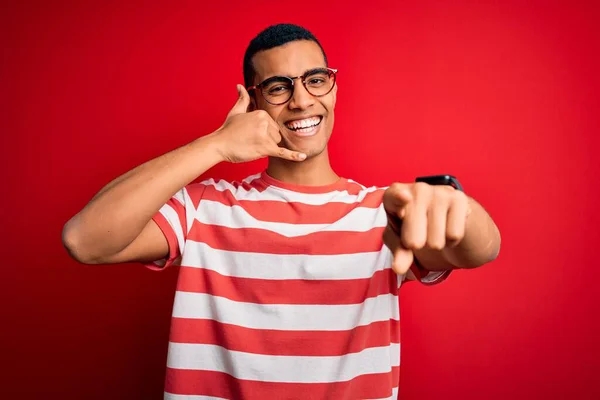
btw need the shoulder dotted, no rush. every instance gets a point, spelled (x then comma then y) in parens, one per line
(362, 193)
(251, 182)
(223, 191)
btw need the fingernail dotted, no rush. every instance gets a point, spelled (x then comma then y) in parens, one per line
(301, 156)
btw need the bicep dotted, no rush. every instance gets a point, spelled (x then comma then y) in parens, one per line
(150, 245)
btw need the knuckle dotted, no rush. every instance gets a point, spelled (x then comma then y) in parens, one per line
(436, 243)
(422, 190)
(262, 114)
(461, 196)
(420, 187)
(413, 243)
(453, 234)
(394, 187)
(444, 193)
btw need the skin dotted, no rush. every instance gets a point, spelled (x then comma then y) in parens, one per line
(443, 228)
(294, 59)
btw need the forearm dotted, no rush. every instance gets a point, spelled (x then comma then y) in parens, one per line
(121, 210)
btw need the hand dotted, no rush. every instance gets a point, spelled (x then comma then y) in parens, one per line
(422, 215)
(248, 136)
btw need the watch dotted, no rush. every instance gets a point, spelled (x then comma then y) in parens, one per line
(441, 180)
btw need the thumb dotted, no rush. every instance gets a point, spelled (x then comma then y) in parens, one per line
(242, 103)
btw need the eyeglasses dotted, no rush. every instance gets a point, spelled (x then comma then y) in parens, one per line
(278, 90)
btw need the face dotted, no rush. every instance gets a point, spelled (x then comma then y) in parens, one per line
(303, 109)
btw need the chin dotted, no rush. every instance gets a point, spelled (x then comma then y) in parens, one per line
(313, 151)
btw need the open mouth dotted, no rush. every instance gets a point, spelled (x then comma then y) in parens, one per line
(306, 125)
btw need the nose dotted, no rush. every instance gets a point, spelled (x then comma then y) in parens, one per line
(301, 99)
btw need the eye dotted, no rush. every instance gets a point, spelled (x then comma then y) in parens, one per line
(277, 90)
(317, 79)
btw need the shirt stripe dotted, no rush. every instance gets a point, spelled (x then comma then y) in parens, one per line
(259, 241)
(300, 369)
(359, 219)
(287, 266)
(175, 215)
(220, 384)
(272, 193)
(292, 212)
(286, 316)
(289, 291)
(285, 343)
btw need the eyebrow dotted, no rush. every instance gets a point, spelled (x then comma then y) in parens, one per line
(312, 71)
(307, 72)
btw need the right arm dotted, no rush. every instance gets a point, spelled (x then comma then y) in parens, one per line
(116, 226)
(105, 231)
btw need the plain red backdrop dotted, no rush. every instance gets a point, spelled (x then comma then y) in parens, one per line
(502, 94)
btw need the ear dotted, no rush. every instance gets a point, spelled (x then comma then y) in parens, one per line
(252, 106)
(334, 94)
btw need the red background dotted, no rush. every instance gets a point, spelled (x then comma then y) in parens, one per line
(505, 96)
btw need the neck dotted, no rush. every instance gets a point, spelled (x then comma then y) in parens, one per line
(314, 171)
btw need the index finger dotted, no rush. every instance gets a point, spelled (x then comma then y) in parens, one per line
(286, 154)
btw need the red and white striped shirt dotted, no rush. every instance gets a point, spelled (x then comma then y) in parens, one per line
(284, 292)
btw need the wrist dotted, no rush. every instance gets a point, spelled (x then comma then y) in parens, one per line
(212, 148)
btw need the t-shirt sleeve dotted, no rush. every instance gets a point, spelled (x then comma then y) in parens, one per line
(428, 277)
(174, 219)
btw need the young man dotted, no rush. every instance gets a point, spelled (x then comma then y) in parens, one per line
(289, 279)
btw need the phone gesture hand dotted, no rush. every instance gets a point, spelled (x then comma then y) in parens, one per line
(247, 136)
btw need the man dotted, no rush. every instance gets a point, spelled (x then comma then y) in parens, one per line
(289, 279)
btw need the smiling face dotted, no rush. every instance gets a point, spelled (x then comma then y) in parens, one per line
(305, 121)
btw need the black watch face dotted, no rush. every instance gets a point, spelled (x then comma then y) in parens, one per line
(441, 180)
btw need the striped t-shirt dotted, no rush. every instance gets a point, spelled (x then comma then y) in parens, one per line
(284, 292)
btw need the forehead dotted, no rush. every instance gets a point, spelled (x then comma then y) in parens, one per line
(291, 59)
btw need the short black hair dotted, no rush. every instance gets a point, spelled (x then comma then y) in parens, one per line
(273, 36)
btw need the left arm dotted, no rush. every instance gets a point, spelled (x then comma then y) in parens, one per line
(441, 227)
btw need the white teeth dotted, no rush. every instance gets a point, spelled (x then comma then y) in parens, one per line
(305, 123)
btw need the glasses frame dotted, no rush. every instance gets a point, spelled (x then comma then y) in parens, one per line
(332, 71)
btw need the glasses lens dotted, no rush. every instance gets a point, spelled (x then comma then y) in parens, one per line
(319, 82)
(277, 90)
